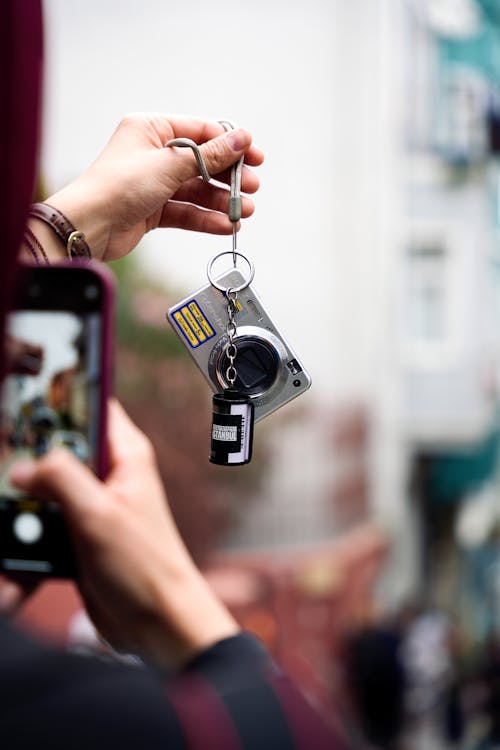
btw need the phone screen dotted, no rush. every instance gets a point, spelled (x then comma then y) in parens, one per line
(52, 396)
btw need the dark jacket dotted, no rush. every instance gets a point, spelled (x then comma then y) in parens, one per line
(231, 697)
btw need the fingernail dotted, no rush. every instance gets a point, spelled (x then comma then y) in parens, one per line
(22, 471)
(238, 139)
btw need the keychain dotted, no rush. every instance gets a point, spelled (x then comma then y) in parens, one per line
(249, 365)
(232, 410)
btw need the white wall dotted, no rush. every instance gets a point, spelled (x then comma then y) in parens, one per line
(319, 83)
(308, 78)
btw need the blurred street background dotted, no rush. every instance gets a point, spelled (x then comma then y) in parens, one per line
(362, 544)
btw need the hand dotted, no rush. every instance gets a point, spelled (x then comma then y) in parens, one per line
(137, 184)
(14, 593)
(141, 587)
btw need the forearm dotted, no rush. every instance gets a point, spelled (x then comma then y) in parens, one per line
(189, 619)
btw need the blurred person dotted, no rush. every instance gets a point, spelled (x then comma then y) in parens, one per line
(430, 652)
(140, 585)
(42, 422)
(22, 358)
(59, 397)
(487, 706)
(376, 684)
(426, 656)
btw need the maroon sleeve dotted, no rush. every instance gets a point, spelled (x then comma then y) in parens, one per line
(20, 96)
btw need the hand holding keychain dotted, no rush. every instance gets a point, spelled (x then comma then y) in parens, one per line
(248, 363)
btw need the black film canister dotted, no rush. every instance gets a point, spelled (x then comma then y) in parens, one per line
(232, 428)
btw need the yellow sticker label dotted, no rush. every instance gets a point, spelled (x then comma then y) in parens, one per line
(201, 319)
(185, 329)
(200, 335)
(193, 324)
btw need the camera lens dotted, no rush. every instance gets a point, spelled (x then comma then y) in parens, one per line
(91, 292)
(256, 365)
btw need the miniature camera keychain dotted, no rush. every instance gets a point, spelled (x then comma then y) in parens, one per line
(249, 365)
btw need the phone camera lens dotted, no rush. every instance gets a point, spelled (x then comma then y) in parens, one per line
(91, 292)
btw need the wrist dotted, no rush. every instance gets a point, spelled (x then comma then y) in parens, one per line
(192, 615)
(45, 246)
(85, 216)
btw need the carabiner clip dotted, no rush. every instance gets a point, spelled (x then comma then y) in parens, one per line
(196, 151)
(234, 208)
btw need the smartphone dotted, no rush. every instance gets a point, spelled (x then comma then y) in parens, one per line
(58, 340)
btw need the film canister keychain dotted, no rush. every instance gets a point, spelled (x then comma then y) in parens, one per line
(232, 410)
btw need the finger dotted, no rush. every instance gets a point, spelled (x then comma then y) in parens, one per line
(198, 129)
(222, 152)
(61, 477)
(250, 183)
(218, 154)
(197, 192)
(11, 597)
(158, 129)
(201, 131)
(187, 216)
(127, 444)
(14, 593)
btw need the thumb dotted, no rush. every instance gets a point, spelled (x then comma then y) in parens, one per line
(61, 477)
(222, 152)
(218, 154)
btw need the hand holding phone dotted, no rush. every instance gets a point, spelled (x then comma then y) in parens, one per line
(54, 395)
